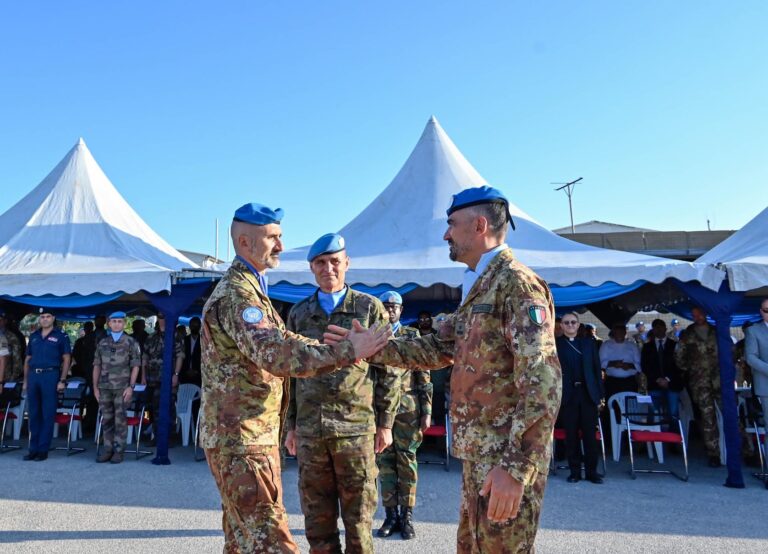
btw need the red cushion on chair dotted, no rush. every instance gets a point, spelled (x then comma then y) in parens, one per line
(133, 420)
(559, 434)
(435, 431)
(63, 419)
(656, 436)
(11, 415)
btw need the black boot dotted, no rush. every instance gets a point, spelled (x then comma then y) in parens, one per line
(406, 523)
(391, 523)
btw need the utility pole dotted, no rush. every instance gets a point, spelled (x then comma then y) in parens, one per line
(568, 188)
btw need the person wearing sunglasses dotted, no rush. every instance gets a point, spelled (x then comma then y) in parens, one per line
(582, 394)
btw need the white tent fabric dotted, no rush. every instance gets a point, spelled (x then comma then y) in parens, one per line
(744, 255)
(397, 239)
(75, 234)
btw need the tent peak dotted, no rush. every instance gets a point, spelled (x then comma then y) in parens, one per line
(81, 142)
(433, 120)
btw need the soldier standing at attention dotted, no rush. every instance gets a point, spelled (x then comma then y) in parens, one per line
(152, 367)
(398, 467)
(246, 356)
(115, 370)
(338, 423)
(14, 364)
(45, 372)
(696, 356)
(506, 380)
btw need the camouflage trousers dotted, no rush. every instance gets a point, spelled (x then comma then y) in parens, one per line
(337, 472)
(254, 519)
(398, 468)
(704, 395)
(478, 535)
(113, 419)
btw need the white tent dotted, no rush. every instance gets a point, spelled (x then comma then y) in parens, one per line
(75, 234)
(744, 255)
(397, 239)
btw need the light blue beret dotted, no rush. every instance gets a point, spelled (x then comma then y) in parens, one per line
(117, 315)
(479, 195)
(327, 244)
(675, 322)
(391, 297)
(258, 214)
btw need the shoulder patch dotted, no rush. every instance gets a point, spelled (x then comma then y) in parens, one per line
(538, 314)
(252, 315)
(482, 309)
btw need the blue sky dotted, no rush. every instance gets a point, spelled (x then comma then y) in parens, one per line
(193, 108)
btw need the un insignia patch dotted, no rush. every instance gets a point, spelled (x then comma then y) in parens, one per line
(252, 315)
(538, 314)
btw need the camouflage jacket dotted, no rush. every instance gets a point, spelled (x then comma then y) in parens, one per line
(116, 360)
(506, 378)
(352, 401)
(415, 386)
(152, 357)
(698, 357)
(14, 363)
(246, 355)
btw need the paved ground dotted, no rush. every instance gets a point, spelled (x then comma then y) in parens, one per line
(74, 505)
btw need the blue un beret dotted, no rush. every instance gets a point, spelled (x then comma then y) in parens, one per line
(258, 214)
(479, 195)
(117, 315)
(391, 297)
(675, 322)
(327, 244)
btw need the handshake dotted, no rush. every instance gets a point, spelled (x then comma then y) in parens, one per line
(366, 342)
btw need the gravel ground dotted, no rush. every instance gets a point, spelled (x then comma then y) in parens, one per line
(71, 504)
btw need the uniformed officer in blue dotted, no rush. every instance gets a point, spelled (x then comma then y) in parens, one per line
(45, 373)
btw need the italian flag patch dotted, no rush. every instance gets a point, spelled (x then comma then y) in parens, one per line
(538, 314)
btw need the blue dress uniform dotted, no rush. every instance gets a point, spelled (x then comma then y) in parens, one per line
(45, 358)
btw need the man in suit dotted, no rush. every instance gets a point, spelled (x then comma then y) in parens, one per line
(756, 349)
(657, 361)
(582, 393)
(190, 371)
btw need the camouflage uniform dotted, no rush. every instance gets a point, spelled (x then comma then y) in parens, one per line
(14, 363)
(152, 359)
(335, 418)
(116, 360)
(698, 359)
(505, 394)
(5, 352)
(398, 468)
(246, 355)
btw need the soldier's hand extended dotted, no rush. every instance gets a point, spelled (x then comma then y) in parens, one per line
(426, 422)
(505, 495)
(367, 342)
(383, 439)
(290, 442)
(335, 334)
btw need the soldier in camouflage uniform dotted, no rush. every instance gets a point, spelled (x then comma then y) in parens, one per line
(152, 366)
(115, 371)
(506, 380)
(5, 356)
(696, 356)
(398, 467)
(332, 419)
(14, 363)
(246, 356)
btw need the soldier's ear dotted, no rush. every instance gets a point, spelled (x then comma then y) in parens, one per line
(481, 224)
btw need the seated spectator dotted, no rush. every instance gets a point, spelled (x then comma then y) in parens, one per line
(620, 359)
(657, 359)
(582, 394)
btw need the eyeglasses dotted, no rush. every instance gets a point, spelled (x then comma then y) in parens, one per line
(574, 322)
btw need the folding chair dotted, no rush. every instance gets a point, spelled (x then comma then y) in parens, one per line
(559, 434)
(441, 431)
(10, 401)
(136, 415)
(755, 425)
(198, 457)
(186, 395)
(69, 413)
(641, 417)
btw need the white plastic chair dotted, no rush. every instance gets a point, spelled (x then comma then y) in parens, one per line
(186, 395)
(720, 433)
(618, 400)
(18, 411)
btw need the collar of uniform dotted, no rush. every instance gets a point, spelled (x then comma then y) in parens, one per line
(346, 306)
(239, 266)
(504, 256)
